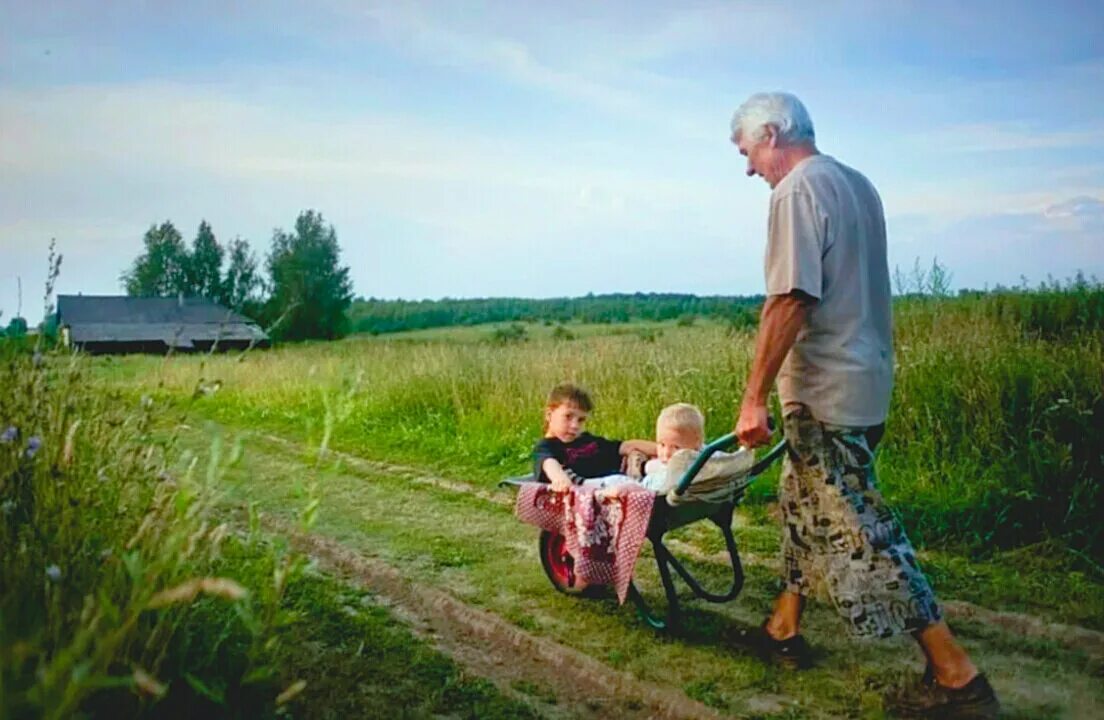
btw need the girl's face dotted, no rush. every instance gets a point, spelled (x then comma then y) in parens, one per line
(566, 422)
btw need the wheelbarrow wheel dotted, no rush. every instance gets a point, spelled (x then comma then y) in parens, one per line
(559, 566)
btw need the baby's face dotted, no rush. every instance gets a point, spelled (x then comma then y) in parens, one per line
(671, 439)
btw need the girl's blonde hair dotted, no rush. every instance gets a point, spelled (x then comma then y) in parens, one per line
(682, 417)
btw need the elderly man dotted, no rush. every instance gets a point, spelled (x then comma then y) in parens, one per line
(826, 335)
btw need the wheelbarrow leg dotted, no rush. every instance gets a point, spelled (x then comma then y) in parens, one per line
(673, 619)
(644, 610)
(663, 560)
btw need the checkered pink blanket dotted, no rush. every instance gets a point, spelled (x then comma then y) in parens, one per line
(603, 535)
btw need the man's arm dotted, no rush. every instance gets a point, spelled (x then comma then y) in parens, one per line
(782, 318)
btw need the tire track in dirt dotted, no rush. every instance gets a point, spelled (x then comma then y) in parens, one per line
(1073, 637)
(492, 648)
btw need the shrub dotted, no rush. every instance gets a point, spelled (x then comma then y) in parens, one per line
(513, 333)
(562, 333)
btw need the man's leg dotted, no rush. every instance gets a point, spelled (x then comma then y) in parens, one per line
(949, 661)
(785, 620)
(780, 634)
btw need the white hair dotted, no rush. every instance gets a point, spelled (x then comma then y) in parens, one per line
(782, 110)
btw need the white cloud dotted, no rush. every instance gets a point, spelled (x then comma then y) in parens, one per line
(186, 153)
(1007, 137)
(990, 249)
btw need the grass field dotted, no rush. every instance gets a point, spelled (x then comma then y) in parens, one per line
(991, 440)
(152, 477)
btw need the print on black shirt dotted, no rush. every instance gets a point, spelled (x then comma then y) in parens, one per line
(588, 456)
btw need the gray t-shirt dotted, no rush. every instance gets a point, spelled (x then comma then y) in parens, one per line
(827, 238)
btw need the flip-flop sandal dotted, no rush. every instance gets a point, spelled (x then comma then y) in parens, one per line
(793, 653)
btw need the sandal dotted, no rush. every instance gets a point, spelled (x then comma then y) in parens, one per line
(927, 698)
(793, 653)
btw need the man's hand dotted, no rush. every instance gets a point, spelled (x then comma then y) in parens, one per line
(753, 427)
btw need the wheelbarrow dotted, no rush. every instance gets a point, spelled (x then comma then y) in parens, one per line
(686, 503)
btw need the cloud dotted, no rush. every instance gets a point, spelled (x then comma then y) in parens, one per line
(1007, 137)
(1089, 209)
(461, 212)
(985, 250)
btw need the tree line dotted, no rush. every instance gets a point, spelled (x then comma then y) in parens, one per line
(373, 315)
(304, 292)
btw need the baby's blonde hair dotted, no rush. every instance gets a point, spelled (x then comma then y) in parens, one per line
(682, 417)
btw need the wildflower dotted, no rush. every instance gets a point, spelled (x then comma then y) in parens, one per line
(37, 359)
(292, 690)
(53, 573)
(9, 435)
(187, 591)
(224, 588)
(7, 507)
(70, 443)
(148, 683)
(33, 446)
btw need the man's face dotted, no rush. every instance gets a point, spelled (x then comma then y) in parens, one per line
(762, 156)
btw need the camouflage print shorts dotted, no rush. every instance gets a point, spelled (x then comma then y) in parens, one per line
(839, 530)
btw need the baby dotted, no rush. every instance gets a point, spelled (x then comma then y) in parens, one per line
(679, 427)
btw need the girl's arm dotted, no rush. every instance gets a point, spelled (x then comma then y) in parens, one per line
(556, 474)
(645, 446)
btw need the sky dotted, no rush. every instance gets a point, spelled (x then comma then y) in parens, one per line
(479, 149)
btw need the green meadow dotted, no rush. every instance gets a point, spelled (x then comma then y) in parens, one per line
(142, 569)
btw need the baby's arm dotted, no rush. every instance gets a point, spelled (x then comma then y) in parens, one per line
(555, 472)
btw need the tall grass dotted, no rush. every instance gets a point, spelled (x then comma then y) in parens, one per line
(995, 428)
(111, 548)
(993, 436)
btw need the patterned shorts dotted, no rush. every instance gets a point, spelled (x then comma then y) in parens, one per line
(838, 529)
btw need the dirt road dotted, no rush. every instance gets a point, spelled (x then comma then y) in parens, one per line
(522, 639)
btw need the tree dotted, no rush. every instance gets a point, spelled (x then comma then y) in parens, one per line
(310, 290)
(17, 327)
(162, 270)
(205, 265)
(242, 283)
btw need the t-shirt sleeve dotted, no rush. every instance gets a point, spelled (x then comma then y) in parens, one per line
(795, 245)
(541, 452)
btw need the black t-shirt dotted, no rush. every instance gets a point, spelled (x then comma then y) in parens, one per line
(587, 456)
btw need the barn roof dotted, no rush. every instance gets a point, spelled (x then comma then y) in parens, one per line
(178, 322)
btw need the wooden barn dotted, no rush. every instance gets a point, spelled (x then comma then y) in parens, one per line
(119, 324)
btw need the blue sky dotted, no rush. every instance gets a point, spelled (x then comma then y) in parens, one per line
(541, 149)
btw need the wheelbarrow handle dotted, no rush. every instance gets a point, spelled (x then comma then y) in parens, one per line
(721, 443)
(725, 441)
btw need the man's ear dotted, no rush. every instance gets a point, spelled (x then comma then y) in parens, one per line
(772, 136)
